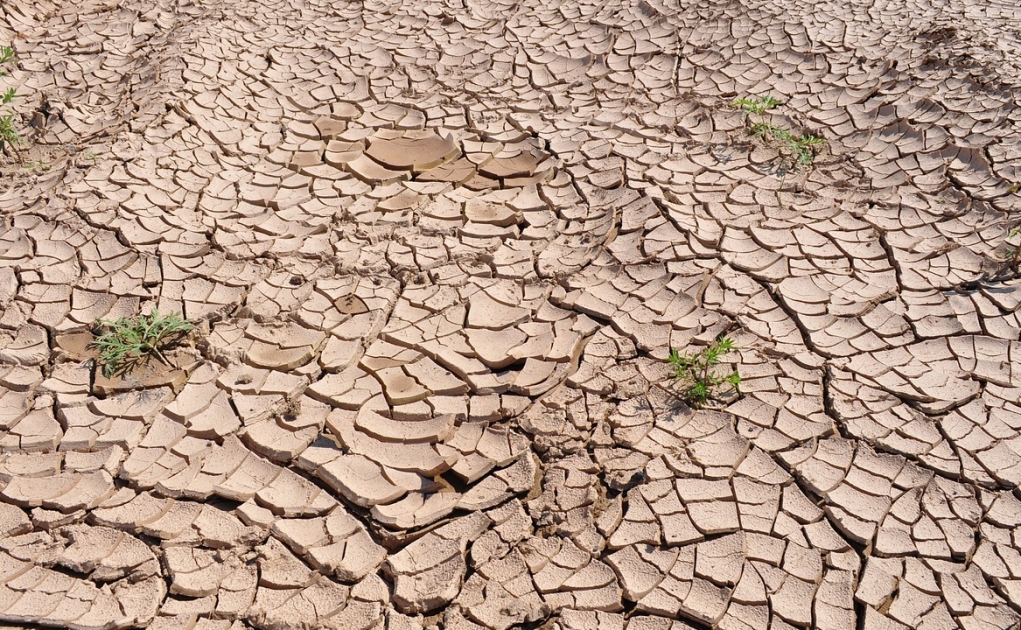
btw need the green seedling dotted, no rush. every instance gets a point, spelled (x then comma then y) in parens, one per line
(756, 105)
(796, 150)
(801, 148)
(698, 374)
(765, 131)
(804, 148)
(1014, 253)
(40, 165)
(131, 341)
(9, 136)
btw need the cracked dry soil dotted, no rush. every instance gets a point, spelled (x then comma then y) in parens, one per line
(439, 252)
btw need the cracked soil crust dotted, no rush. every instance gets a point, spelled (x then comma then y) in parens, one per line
(439, 252)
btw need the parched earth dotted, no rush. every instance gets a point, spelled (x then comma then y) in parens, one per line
(440, 252)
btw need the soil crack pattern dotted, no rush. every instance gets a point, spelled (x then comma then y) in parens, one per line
(437, 255)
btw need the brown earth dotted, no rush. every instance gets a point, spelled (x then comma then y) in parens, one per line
(440, 252)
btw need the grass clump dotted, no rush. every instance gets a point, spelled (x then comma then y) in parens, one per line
(131, 341)
(9, 136)
(698, 376)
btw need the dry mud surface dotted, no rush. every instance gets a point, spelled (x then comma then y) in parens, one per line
(441, 250)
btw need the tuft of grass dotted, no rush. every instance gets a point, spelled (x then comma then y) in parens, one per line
(698, 375)
(9, 136)
(131, 341)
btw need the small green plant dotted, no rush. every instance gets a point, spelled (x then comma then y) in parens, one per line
(8, 134)
(134, 340)
(756, 105)
(1014, 253)
(796, 150)
(801, 149)
(805, 147)
(698, 375)
(43, 166)
(764, 130)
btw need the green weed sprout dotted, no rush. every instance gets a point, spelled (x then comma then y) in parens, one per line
(765, 131)
(1014, 252)
(802, 148)
(756, 105)
(8, 135)
(795, 149)
(805, 147)
(698, 375)
(134, 340)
